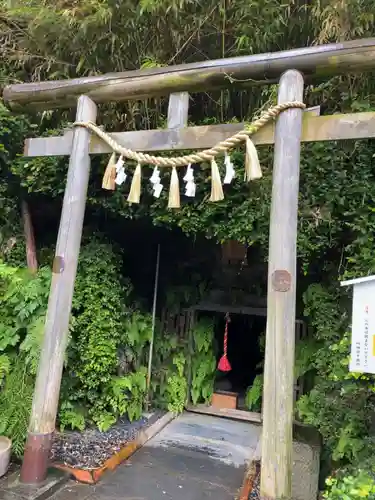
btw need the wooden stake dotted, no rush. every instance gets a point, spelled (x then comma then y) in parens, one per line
(47, 388)
(277, 439)
(151, 348)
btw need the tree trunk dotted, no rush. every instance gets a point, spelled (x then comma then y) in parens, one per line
(31, 258)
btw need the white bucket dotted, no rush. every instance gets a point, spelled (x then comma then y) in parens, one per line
(5, 451)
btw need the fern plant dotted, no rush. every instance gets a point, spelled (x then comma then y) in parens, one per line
(23, 302)
(168, 385)
(15, 405)
(128, 393)
(71, 416)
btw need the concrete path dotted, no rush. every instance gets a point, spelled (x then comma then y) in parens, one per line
(195, 457)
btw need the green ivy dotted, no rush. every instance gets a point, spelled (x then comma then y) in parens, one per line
(177, 384)
(336, 207)
(355, 486)
(341, 404)
(203, 362)
(105, 377)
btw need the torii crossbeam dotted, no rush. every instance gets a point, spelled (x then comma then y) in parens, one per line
(290, 68)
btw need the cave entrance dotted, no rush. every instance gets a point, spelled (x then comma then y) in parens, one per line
(246, 335)
(238, 394)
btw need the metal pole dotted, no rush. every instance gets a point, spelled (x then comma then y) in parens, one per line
(47, 387)
(153, 326)
(277, 434)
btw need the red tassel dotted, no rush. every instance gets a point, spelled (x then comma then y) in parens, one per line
(224, 365)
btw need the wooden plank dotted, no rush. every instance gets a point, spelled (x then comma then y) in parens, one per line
(277, 408)
(315, 129)
(317, 62)
(222, 296)
(301, 432)
(250, 311)
(178, 110)
(47, 388)
(235, 414)
(150, 140)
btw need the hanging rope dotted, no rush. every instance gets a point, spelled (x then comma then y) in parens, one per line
(206, 155)
(115, 172)
(224, 365)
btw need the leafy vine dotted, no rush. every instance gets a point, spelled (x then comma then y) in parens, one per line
(203, 362)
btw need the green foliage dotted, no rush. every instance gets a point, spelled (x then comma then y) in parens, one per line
(92, 35)
(30, 346)
(46, 40)
(203, 362)
(12, 132)
(341, 404)
(360, 484)
(106, 374)
(177, 384)
(254, 393)
(304, 362)
(4, 366)
(129, 393)
(137, 335)
(71, 417)
(15, 405)
(253, 398)
(173, 359)
(181, 296)
(98, 306)
(168, 388)
(305, 356)
(23, 303)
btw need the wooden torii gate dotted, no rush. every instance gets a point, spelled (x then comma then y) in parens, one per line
(292, 126)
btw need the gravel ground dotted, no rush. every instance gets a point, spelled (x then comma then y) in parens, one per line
(255, 492)
(91, 448)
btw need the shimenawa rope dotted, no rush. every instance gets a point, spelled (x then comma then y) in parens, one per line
(207, 154)
(115, 171)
